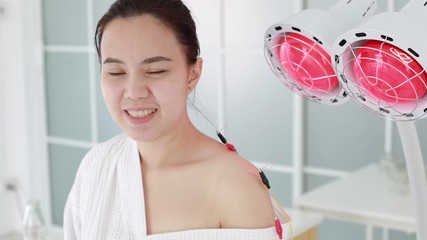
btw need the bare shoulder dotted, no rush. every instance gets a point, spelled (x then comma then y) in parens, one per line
(243, 199)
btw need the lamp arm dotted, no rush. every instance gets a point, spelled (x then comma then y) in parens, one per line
(416, 173)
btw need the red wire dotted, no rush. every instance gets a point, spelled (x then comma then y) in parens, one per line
(279, 229)
(230, 147)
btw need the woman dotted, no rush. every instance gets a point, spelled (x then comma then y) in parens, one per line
(162, 179)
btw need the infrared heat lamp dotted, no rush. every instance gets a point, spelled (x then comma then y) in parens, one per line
(382, 66)
(298, 49)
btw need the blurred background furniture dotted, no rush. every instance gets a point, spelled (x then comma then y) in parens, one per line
(367, 196)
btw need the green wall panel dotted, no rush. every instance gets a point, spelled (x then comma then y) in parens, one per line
(67, 89)
(258, 110)
(65, 22)
(330, 229)
(344, 137)
(64, 162)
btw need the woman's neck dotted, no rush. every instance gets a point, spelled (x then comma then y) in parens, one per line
(175, 148)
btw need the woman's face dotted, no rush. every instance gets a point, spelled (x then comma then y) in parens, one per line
(145, 77)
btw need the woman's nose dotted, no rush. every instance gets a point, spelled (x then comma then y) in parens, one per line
(136, 88)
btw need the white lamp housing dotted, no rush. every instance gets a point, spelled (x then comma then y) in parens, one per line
(404, 30)
(298, 48)
(382, 65)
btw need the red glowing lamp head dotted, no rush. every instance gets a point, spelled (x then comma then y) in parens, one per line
(307, 62)
(388, 73)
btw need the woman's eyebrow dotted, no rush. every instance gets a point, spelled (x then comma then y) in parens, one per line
(146, 61)
(112, 60)
(155, 59)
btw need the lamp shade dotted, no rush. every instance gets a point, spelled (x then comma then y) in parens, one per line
(298, 49)
(382, 63)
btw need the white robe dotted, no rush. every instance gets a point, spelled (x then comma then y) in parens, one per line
(107, 201)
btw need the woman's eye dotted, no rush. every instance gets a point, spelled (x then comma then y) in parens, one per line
(116, 73)
(156, 72)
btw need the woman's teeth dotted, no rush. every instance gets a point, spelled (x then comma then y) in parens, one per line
(142, 114)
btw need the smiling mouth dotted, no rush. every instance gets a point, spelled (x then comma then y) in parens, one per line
(143, 113)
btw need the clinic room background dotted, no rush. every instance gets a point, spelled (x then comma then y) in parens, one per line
(301, 146)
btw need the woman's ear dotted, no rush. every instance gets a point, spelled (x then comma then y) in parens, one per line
(195, 73)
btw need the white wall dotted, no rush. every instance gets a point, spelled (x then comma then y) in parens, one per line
(13, 100)
(20, 66)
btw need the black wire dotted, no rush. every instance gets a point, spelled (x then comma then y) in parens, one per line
(264, 179)
(221, 137)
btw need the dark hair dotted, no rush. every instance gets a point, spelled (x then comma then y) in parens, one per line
(173, 13)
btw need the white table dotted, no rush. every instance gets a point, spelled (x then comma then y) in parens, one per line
(365, 197)
(303, 221)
